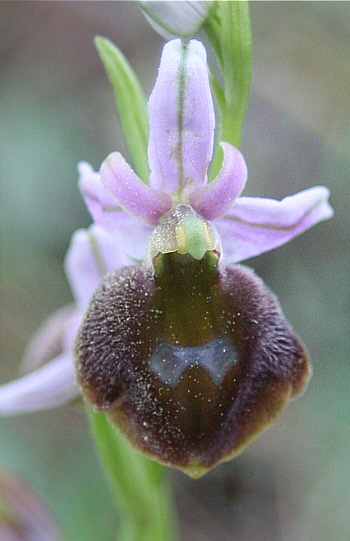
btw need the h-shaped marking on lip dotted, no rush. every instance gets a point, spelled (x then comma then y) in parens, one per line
(169, 362)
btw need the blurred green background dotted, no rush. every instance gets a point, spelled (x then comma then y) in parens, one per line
(57, 108)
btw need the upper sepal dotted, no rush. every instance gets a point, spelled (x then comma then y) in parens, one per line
(181, 119)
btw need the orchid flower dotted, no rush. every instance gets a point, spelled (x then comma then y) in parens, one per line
(188, 354)
(180, 148)
(92, 253)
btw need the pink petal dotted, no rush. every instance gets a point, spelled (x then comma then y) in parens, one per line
(255, 225)
(216, 198)
(105, 212)
(133, 195)
(181, 119)
(48, 387)
(101, 205)
(92, 253)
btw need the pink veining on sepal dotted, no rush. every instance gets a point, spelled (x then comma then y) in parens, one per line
(255, 225)
(91, 254)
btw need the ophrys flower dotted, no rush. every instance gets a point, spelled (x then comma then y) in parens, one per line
(189, 355)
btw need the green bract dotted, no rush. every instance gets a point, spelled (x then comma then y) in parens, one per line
(131, 103)
(230, 35)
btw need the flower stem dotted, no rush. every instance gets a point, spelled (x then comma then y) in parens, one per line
(138, 484)
(229, 32)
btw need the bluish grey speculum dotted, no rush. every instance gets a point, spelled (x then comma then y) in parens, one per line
(190, 359)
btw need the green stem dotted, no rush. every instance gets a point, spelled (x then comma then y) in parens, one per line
(230, 35)
(138, 484)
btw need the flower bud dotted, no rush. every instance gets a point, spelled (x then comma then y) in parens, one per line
(176, 19)
(190, 359)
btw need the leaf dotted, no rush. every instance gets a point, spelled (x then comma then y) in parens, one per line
(236, 46)
(131, 103)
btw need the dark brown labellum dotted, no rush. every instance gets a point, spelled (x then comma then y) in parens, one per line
(191, 362)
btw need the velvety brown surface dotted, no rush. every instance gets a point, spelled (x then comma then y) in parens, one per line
(191, 364)
(293, 482)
